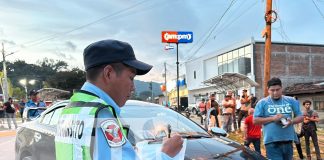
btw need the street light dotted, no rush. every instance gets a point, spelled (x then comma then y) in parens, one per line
(23, 82)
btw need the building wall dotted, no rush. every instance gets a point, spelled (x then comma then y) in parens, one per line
(292, 63)
(195, 74)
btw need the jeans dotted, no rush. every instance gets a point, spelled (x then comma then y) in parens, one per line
(279, 151)
(11, 117)
(313, 134)
(299, 149)
(227, 122)
(255, 142)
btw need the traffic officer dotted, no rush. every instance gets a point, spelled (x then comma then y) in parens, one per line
(34, 100)
(89, 127)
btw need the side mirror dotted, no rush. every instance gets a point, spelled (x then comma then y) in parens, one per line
(218, 131)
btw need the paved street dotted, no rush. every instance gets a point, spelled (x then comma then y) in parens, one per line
(7, 144)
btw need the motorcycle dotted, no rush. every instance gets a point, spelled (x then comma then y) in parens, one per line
(187, 112)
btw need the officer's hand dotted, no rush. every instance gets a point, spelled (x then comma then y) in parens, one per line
(172, 146)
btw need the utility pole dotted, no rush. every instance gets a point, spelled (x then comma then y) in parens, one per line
(165, 81)
(178, 96)
(151, 87)
(270, 17)
(5, 81)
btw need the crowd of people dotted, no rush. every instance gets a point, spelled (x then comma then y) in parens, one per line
(11, 110)
(275, 118)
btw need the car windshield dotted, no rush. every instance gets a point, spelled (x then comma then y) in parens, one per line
(154, 123)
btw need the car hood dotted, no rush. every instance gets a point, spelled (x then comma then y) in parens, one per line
(218, 148)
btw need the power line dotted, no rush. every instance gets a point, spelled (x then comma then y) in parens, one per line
(235, 19)
(281, 29)
(212, 29)
(318, 9)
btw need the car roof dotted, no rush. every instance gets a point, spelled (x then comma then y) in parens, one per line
(128, 103)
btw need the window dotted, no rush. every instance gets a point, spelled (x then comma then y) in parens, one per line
(235, 54)
(47, 118)
(56, 116)
(194, 74)
(229, 55)
(319, 105)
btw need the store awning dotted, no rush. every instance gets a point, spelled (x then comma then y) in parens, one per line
(230, 81)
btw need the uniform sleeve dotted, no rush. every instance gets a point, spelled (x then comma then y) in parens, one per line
(258, 112)
(102, 150)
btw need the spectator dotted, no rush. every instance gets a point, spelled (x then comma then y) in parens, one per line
(22, 104)
(202, 110)
(254, 101)
(309, 128)
(227, 116)
(10, 112)
(237, 111)
(213, 113)
(297, 143)
(275, 113)
(245, 105)
(299, 134)
(2, 114)
(252, 133)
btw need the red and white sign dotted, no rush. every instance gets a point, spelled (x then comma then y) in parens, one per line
(177, 37)
(113, 133)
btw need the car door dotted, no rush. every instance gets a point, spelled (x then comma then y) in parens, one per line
(46, 144)
(41, 137)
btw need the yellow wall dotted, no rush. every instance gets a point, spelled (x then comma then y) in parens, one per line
(183, 92)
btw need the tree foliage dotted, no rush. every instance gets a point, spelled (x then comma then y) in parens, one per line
(46, 73)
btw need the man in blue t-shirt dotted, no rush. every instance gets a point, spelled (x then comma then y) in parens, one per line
(277, 113)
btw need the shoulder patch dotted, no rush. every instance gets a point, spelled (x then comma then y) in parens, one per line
(113, 133)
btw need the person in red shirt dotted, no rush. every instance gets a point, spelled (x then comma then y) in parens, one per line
(202, 110)
(252, 133)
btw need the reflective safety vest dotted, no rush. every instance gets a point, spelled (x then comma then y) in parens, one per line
(76, 127)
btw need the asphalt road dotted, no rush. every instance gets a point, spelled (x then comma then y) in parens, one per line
(7, 144)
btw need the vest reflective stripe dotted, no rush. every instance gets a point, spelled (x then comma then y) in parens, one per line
(75, 127)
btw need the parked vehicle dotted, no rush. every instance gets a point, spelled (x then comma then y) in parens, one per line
(35, 139)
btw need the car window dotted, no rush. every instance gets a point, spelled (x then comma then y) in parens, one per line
(56, 115)
(47, 118)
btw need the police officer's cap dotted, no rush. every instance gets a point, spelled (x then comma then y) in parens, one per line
(33, 92)
(113, 51)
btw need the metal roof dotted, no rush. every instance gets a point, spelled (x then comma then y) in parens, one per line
(230, 81)
(52, 93)
(304, 88)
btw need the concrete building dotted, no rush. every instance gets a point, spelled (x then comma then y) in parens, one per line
(293, 63)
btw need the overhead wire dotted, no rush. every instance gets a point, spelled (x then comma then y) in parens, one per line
(212, 30)
(318, 9)
(235, 19)
(56, 35)
(281, 31)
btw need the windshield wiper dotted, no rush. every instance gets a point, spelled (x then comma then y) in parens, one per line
(196, 135)
(227, 153)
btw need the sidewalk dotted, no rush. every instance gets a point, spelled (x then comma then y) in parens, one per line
(4, 124)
